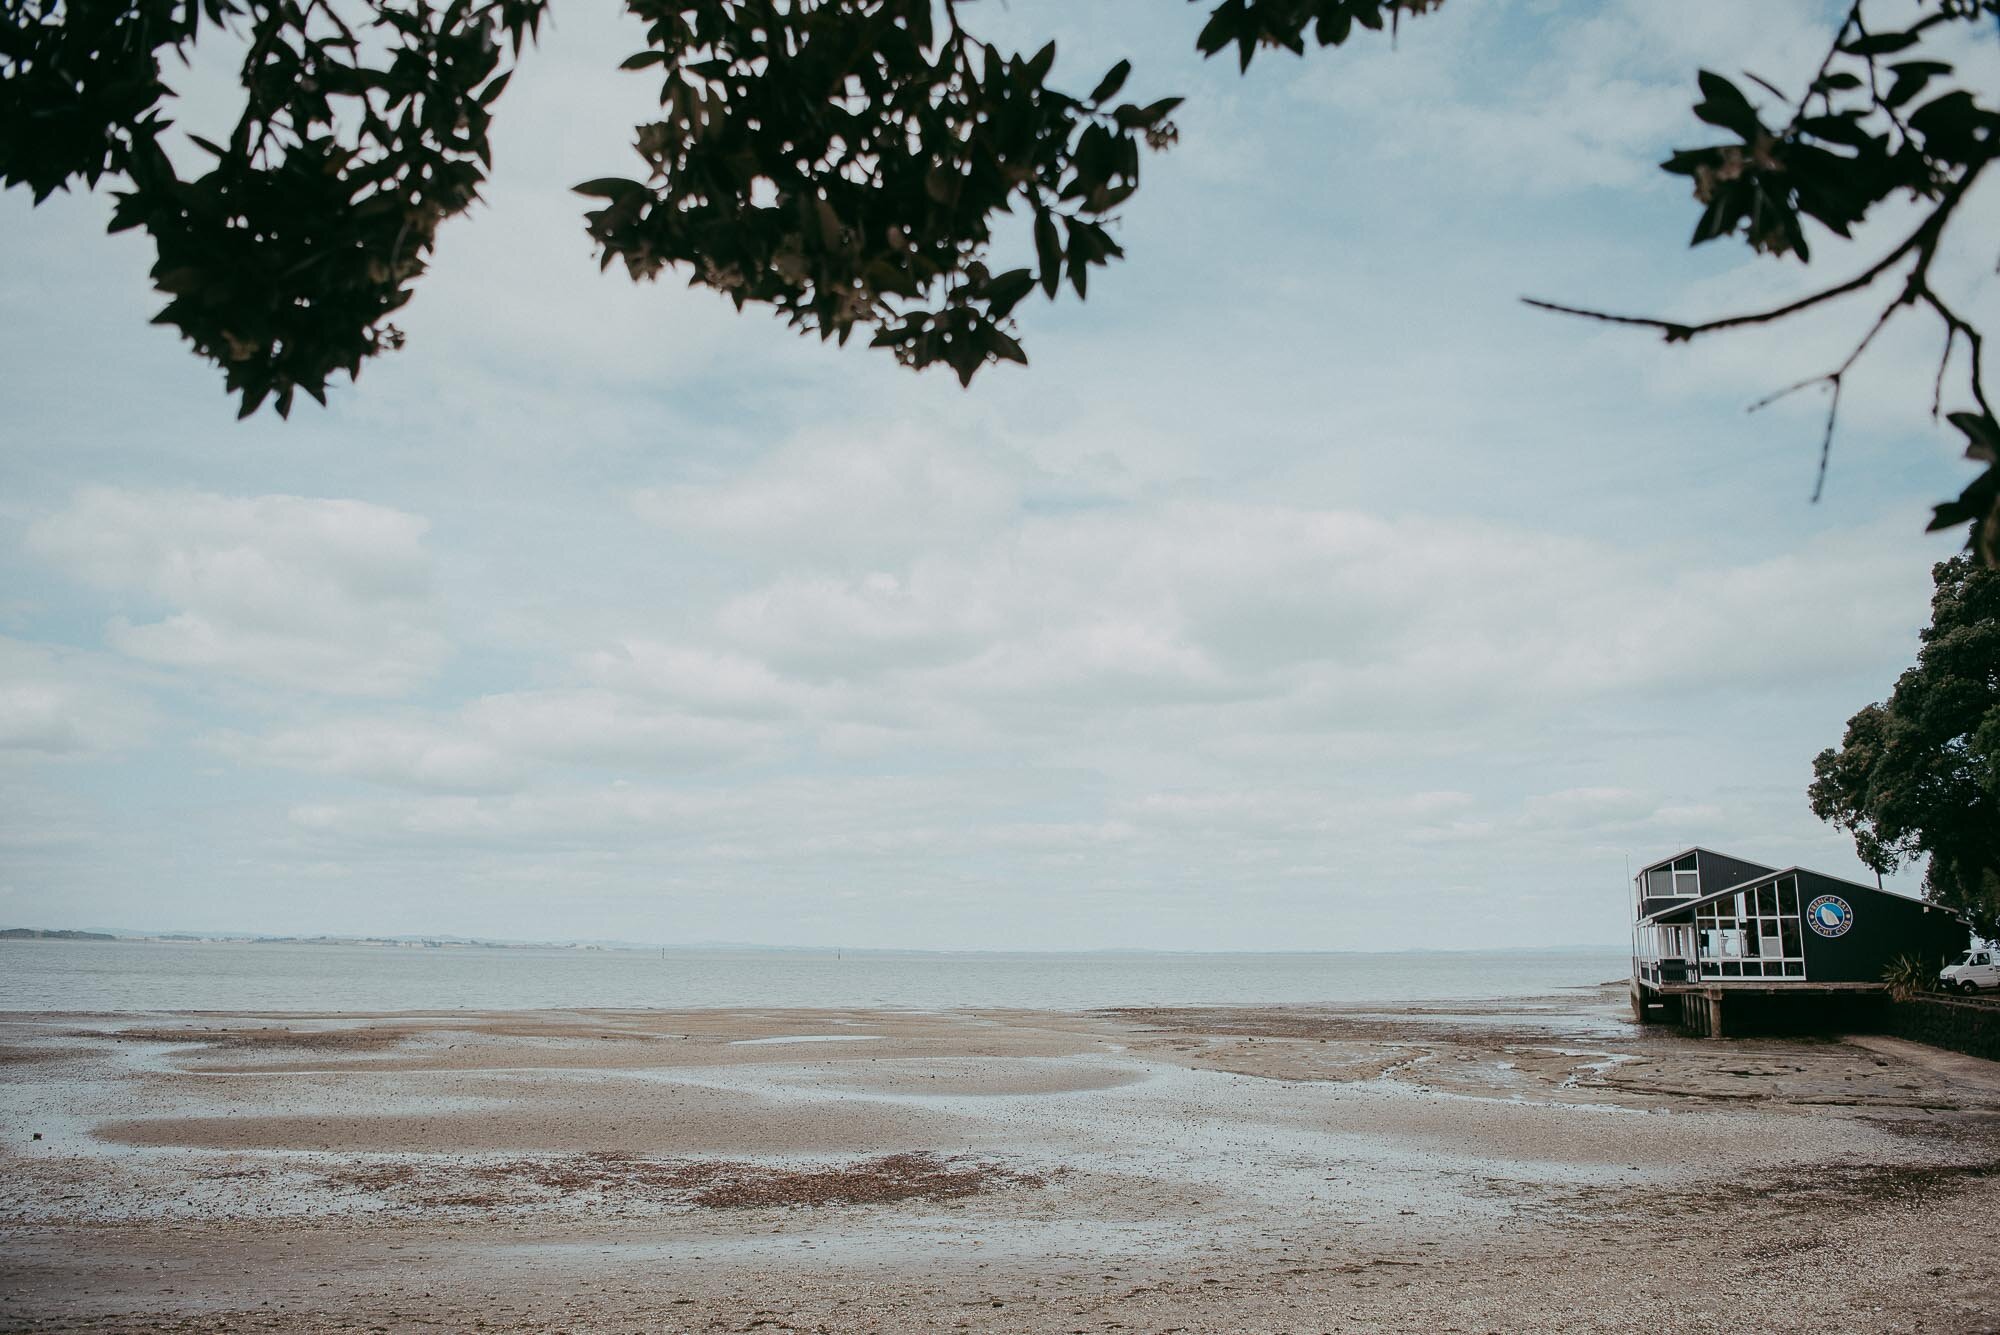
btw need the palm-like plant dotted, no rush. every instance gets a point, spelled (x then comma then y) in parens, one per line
(1910, 975)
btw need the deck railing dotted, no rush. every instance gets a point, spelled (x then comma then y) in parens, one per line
(1667, 970)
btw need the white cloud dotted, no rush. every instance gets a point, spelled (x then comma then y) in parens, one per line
(1374, 619)
(1587, 808)
(1292, 865)
(719, 683)
(588, 726)
(771, 819)
(500, 742)
(1594, 100)
(1217, 662)
(831, 623)
(60, 702)
(326, 595)
(848, 497)
(409, 751)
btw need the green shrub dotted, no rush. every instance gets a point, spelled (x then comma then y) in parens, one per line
(1910, 975)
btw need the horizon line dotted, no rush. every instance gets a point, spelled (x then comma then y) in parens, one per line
(601, 943)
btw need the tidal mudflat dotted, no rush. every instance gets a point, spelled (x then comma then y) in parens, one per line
(1532, 1164)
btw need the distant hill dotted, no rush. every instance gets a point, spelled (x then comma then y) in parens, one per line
(37, 934)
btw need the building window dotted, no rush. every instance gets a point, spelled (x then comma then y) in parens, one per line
(1753, 933)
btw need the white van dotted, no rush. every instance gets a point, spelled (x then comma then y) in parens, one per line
(1975, 971)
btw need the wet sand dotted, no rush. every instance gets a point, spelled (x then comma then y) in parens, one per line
(1533, 1165)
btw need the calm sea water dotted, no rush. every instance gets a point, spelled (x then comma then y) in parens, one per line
(147, 975)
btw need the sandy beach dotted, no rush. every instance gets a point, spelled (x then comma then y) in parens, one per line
(1529, 1165)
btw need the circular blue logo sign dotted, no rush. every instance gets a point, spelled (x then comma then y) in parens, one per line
(1830, 915)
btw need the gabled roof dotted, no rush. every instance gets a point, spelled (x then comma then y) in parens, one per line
(1655, 866)
(1688, 905)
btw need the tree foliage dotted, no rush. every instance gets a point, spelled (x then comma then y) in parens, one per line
(360, 133)
(1880, 120)
(1919, 775)
(850, 164)
(846, 167)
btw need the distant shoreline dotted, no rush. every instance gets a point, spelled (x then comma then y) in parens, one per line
(356, 976)
(449, 942)
(397, 942)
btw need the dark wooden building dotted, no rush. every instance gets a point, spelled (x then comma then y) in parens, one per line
(1787, 947)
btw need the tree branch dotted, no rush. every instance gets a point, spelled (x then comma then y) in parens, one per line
(1955, 325)
(1923, 243)
(1833, 379)
(1924, 240)
(1833, 49)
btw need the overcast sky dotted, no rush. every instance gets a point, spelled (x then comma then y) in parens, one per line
(1306, 590)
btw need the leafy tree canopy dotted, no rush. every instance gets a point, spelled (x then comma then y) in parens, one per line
(854, 164)
(1919, 775)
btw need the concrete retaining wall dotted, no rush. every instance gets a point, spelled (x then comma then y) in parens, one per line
(1971, 1027)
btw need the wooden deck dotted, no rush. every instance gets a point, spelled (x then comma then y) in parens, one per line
(1753, 985)
(1756, 1004)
